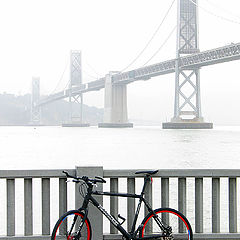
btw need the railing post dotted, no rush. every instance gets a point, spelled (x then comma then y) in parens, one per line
(165, 192)
(232, 205)
(45, 206)
(181, 201)
(215, 205)
(165, 197)
(113, 203)
(148, 197)
(198, 205)
(130, 202)
(62, 202)
(28, 212)
(10, 207)
(94, 215)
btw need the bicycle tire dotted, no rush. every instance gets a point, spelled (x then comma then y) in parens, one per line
(67, 226)
(169, 217)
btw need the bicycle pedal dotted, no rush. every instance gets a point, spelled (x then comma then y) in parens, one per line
(122, 218)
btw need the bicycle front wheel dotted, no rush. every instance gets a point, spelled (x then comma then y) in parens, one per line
(173, 224)
(68, 227)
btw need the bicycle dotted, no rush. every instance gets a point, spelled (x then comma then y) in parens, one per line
(161, 223)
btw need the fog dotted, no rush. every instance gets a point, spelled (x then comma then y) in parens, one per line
(37, 36)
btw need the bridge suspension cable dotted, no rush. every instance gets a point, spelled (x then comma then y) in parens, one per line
(160, 48)
(60, 80)
(67, 84)
(150, 40)
(89, 75)
(93, 69)
(223, 9)
(214, 14)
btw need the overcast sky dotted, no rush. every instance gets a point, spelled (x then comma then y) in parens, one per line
(37, 36)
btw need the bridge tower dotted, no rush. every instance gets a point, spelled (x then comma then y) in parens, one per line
(115, 105)
(187, 106)
(35, 97)
(75, 101)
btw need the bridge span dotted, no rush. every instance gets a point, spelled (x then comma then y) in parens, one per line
(201, 59)
(186, 66)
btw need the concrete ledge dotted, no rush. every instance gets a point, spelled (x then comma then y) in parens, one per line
(196, 236)
(187, 125)
(75, 125)
(115, 125)
(35, 237)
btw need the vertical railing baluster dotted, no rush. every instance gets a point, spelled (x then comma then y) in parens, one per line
(215, 205)
(232, 205)
(130, 202)
(165, 197)
(148, 197)
(165, 192)
(28, 212)
(181, 201)
(62, 202)
(198, 205)
(113, 203)
(45, 206)
(10, 207)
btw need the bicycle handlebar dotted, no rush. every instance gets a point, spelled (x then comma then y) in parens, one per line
(101, 179)
(85, 178)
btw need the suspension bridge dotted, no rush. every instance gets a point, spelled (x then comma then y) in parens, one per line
(186, 66)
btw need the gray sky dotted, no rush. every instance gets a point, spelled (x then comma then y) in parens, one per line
(37, 36)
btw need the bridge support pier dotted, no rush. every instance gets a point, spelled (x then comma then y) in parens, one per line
(187, 107)
(115, 105)
(35, 110)
(75, 113)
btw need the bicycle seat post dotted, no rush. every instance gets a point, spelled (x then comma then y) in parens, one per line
(146, 179)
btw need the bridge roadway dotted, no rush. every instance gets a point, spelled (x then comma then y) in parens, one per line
(196, 60)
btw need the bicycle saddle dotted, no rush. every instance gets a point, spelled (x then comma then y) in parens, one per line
(147, 172)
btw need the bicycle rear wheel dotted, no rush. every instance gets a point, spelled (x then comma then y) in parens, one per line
(169, 218)
(67, 227)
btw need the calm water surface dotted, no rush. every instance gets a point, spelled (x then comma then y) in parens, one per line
(140, 147)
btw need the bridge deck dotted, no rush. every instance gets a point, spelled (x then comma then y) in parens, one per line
(197, 60)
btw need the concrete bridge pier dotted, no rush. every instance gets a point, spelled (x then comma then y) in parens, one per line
(115, 105)
(35, 113)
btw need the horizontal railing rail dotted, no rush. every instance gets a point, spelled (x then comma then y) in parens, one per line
(166, 191)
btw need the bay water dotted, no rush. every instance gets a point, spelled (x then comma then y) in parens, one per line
(136, 148)
(139, 147)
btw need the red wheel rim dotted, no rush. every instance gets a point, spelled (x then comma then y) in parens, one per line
(86, 222)
(169, 211)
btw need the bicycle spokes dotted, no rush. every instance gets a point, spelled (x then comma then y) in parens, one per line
(69, 228)
(168, 223)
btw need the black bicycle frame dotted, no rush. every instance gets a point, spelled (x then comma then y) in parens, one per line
(112, 219)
